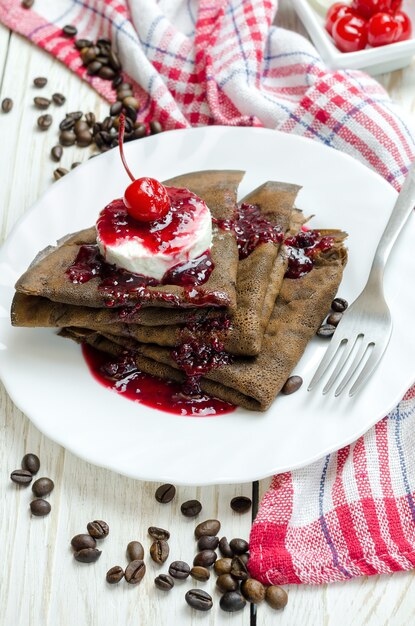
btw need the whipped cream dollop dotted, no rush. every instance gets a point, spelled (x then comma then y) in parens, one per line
(153, 248)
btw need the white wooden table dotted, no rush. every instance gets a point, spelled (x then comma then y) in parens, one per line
(40, 583)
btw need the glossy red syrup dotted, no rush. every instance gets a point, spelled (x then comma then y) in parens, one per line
(302, 250)
(121, 375)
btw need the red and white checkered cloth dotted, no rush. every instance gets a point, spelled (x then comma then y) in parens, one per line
(196, 62)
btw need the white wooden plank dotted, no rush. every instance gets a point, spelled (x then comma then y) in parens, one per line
(4, 45)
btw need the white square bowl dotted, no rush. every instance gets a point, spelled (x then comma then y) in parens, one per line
(371, 60)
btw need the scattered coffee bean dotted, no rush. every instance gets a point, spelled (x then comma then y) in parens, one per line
(40, 507)
(80, 127)
(276, 597)
(75, 164)
(69, 30)
(27, 4)
(159, 551)
(209, 527)
(206, 558)
(334, 318)
(104, 41)
(44, 121)
(134, 572)
(117, 81)
(135, 551)
(253, 590)
(224, 548)
(87, 555)
(339, 304)
(114, 61)
(31, 463)
(326, 330)
(83, 43)
(165, 493)
(40, 81)
(159, 533)
(88, 55)
(199, 600)
(98, 529)
(93, 68)
(41, 103)
(84, 139)
(140, 131)
(90, 119)
(107, 73)
(60, 172)
(56, 153)
(21, 477)
(207, 543)
(226, 582)
(241, 504)
(223, 566)
(131, 102)
(244, 557)
(179, 570)
(238, 568)
(191, 508)
(67, 138)
(75, 115)
(7, 105)
(239, 546)
(42, 487)
(200, 573)
(116, 108)
(59, 99)
(232, 601)
(164, 582)
(79, 542)
(67, 124)
(291, 385)
(115, 575)
(155, 127)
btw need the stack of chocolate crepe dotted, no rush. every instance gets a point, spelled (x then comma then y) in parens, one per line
(271, 317)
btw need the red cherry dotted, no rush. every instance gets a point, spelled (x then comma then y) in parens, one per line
(146, 199)
(335, 12)
(383, 29)
(405, 23)
(367, 8)
(350, 33)
(396, 5)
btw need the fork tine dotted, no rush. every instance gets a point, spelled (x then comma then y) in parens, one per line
(353, 367)
(348, 348)
(370, 365)
(326, 360)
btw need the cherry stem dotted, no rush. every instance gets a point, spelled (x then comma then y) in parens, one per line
(121, 129)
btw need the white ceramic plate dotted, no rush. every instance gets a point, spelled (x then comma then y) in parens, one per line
(49, 381)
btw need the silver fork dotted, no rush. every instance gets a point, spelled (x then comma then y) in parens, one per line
(364, 330)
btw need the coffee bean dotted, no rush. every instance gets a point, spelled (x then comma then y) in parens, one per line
(131, 102)
(41, 103)
(83, 43)
(140, 131)
(93, 67)
(107, 73)
(7, 105)
(90, 119)
(117, 81)
(130, 113)
(224, 548)
(200, 573)
(223, 566)
(75, 115)
(21, 477)
(238, 568)
(164, 582)
(56, 153)
(98, 529)
(244, 558)
(155, 127)
(339, 304)
(40, 507)
(84, 139)
(232, 601)
(291, 385)
(87, 555)
(106, 41)
(115, 575)
(27, 4)
(88, 55)
(191, 508)
(205, 558)
(159, 551)
(40, 81)
(42, 487)
(239, 546)
(253, 590)
(134, 572)
(60, 172)
(179, 570)
(165, 493)
(102, 57)
(44, 121)
(276, 597)
(326, 330)
(67, 124)
(241, 504)
(114, 61)
(123, 93)
(31, 463)
(124, 86)
(199, 600)
(334, 318)
(226, 582)
(209, 527)
(208, 543)
(159, 533)
(116, 108)
(75, 164)
(69, 30)
(107, 124)
(135, 551)
(79, 542)
(59, 99)
(67, 137)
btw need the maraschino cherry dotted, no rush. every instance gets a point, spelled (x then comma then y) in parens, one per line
(146, 199)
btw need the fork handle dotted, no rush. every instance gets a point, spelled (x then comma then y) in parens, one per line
(405, 203)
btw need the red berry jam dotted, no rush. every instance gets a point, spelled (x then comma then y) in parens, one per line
(302, 250)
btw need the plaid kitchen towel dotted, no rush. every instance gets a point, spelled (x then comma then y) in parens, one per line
(195, 62)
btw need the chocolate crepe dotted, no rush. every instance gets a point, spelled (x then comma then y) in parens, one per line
(47, 278)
